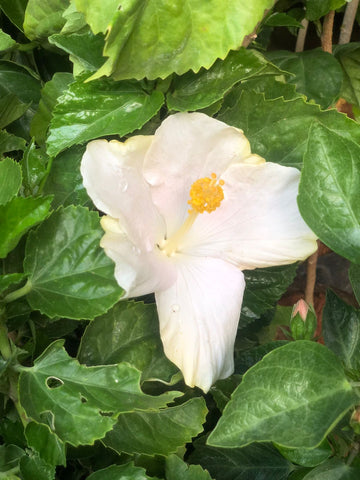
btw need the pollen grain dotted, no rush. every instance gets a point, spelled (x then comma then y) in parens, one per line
(206, 194)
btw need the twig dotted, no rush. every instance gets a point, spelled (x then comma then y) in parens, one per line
(311, 278)
(327, 32)
(300, 41)
(348, 22)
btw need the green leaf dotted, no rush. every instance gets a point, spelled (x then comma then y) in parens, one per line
(11, 108)
(329, 191)
(334, 469)
(17, 217)
(349, 57)
(354, 275)
(195, 91)
(48, 445)
(90, 110)
(15, 11)
(223, 389)
(16, 80)
(264, 287)
(9, 457)
(308, 73)
(69, 274)
(176, 469)
(247, 358)
(49, 95)
(307, 457)
(10, 279)
(127, 333)
(341, 330)
(34, 167)
(278, 130)
(85, 49)
(6, 41)
(10, 179)
(44, 18)
(33, 466)
(156, 38)
(158, 433)
(80, 403)
(9, 142)
(279, 19)
(270, 86)
(316, 9)
(257, 461)
(120, 472)
(294, 396)
(65, 180)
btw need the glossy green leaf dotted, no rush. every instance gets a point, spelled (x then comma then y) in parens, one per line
(16, 80)
(278, 130)
(156, 38)
(69, 273)
(32, 466)
(81, 403)
(349, 57)
(195, 91)
(85, 49)
(11, 108)
(316, 9)
(248, 358)
(9, 142)
(129, 332)
(6, 41)
(10, 179)
(48, 445)
(10, 279)
(257, 461)
(304, 378)
(75, 20)
(120, 472)
(223, 389)
(341, 330)
(334, 469)
(34, 165)
(9, 457)
(176, 469)
(329, 191)
(65, 180)
(354, 275)
(264, 287)
(307, 457)
(307, 69)
(15, 11)
(158, 433)
(280, 19)
(91, 110)
(270, 86)
(17, 217)
(44, 18)
(49, 95)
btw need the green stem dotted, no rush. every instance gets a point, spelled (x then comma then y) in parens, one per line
(13, 394)
(18, 293)
(5, 348)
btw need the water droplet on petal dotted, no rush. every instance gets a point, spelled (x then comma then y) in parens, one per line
(175, 308)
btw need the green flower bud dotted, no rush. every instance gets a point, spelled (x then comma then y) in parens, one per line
(303, 321)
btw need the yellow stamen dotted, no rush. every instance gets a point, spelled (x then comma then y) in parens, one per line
(206, 195)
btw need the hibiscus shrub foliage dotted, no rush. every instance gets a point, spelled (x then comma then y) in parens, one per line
(86, 389)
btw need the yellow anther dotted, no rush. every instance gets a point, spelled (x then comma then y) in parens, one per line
(206, 194)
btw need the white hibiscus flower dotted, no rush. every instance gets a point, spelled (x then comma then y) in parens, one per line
(186, 211)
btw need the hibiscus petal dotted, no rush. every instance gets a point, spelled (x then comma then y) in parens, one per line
(186, 147)
(258, 223)
(113, 179)
(137, 271)
(198, 317)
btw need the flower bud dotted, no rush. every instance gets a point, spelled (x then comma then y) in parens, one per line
(303, 321)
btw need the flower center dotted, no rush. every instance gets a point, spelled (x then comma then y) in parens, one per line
(206, 195)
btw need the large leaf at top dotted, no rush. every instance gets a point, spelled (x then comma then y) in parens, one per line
(329, 191)
(308, 73)
(17, 217)
(294, 396)
(69, 273)
(176, 469)
(129, 332)
(158, 433)
(349, 58)
(104, 107)
(277, 129)
(10, 179)
(195, 91)
(155, 38)
(81, 403)
(44, 18)
(254, 462)
(341, 330)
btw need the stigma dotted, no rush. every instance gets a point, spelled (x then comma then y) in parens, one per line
(206, 195)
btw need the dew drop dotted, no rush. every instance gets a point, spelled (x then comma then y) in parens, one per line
(175, 308)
